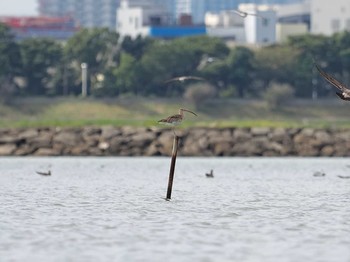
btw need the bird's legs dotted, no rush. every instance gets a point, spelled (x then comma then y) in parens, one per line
(174, 131)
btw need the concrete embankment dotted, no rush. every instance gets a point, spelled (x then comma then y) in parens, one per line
(129, 141)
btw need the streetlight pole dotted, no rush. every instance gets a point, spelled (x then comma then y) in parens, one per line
(84, 67)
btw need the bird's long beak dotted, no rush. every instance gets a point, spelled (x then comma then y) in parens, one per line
(189, 111)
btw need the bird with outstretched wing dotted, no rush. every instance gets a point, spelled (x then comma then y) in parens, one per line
(344, 90)
(184, 78)
(245, 14)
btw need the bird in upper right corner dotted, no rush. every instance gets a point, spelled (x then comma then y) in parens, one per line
(344, 93)
(211, 174)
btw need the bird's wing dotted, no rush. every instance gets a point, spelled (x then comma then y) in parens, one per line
(195, 78)
(171, 80)
(240, 13)
(331, 79)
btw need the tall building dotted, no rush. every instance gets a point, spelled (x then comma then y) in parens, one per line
(152, 18)
(88, 13)
(329, 18)
(198, 8)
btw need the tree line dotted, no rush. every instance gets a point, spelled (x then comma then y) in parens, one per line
(42, 67)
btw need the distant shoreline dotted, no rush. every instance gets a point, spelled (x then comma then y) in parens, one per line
(136, 141)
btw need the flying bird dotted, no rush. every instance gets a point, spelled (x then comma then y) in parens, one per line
(44, 173)
(184, 78)
(175, 120)
(211, 174)
(245, 14)
(344, 91)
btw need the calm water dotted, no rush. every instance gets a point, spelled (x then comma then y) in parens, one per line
(112, 209)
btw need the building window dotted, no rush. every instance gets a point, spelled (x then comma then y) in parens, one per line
(335, 25)
(265, 21)
(130, 20)
(136, 22)
(343, 9)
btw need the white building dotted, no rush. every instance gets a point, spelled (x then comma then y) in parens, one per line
(137, 20)
(329, 17)
(260, 28)
(227, 25)
(151, 19)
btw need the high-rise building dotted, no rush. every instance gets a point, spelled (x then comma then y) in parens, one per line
(329, 18)
(88, 13)
(198, 8)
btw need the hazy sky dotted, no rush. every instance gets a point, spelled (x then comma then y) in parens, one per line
(18, 7)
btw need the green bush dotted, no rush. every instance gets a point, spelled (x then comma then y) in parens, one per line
(278, 94)
(198, 93)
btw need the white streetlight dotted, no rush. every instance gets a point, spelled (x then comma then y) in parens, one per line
(84, 67)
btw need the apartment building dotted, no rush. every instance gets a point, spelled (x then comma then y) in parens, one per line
(87, 13)
(329, 17)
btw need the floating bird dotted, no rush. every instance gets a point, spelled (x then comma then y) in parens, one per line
(211, 174)
(344, 91)
(184, 78)
(318, 173)
(344, 177)
(44, 173)
(245, 14)
(175, 120)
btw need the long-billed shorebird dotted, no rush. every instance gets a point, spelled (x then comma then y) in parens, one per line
(344, 90)
(184, 78)
(44, 173)
(175, 120)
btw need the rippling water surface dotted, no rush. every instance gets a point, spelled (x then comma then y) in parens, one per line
(113, 209)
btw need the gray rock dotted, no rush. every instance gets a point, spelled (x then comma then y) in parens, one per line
(7, 149)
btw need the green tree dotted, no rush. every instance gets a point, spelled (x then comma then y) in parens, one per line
(10, 61)
(96, 47)
(136, 47)
(240, 68)
(40, 61)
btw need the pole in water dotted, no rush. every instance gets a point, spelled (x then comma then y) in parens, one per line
(172, 167)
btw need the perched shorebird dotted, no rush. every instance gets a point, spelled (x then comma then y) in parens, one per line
(184, 78)
(318, 173)
(245, 14)
(175, 120)
(44, 173)
(211, 174)
(344, 91)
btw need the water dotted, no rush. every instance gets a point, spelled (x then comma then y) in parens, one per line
(113, 209)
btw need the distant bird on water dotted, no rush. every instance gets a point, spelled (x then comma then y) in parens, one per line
(344, 91)
(211, 174)
(184, 78)
(318, 173)
(175, 120)
(44, 173)
(344, 177)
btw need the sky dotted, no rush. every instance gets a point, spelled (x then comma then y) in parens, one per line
(18, 7)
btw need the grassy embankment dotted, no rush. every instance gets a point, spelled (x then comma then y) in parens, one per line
(35, 112)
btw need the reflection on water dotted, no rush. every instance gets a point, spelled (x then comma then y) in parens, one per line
(113, 209)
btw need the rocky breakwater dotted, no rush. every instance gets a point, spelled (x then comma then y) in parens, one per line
(128, 141)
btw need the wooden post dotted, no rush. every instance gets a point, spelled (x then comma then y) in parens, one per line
(172, 167)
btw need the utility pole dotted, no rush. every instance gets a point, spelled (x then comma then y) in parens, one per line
(84, 68)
